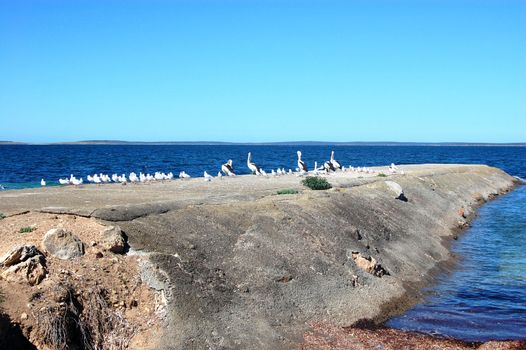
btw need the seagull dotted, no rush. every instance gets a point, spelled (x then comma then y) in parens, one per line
(63, 181)
(392, 168)
(334, 162)
(219, 175)
(252, 166)
(301, 164)
(183, 175)
(42, 183)
(228, 168)
(207, 176)
(76, 182)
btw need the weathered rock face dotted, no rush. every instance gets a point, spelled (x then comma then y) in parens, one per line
(252, 274)
(24, 264)
(63, 244)
(243, 268)
(18, 255)
(113, 240)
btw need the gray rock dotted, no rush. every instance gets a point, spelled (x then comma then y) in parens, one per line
(113, 240)
(32, 270)
(63, 244)
(18, 255)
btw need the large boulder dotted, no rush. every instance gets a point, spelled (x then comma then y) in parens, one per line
(113, 240)
(63, 244)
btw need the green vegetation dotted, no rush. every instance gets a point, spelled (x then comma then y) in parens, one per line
(382, 175)
(316, 183)
(288, 191)
(26, 229)
(2, 216)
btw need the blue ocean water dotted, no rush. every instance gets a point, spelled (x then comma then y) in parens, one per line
(484, 298)
(24, 165)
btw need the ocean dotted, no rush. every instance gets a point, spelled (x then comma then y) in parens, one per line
(483, 298)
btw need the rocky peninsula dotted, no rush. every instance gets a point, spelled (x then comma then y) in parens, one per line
(230, 264)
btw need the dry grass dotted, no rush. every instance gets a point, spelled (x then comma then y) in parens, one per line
(82, 321)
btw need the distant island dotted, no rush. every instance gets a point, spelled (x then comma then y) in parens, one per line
(284, 143)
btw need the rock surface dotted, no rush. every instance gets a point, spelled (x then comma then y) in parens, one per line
(113, 240)
(18, 255)
(243, 268)
(32, 271)
(63, 244)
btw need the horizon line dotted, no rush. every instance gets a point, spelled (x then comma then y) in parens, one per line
(269, 143)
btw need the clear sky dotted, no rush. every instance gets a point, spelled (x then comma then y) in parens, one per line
(252, 71)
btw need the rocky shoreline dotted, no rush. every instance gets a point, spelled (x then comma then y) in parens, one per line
(242, 267)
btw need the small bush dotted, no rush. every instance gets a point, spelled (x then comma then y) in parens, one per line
(382, 175)
(288, 191)
(26, 229)
(316, 183)
(2, 216)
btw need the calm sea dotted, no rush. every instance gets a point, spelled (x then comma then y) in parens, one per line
(484, 298)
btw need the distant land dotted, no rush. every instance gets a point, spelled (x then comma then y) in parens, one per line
(284, 143)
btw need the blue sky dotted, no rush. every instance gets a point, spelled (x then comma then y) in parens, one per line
(252, 71)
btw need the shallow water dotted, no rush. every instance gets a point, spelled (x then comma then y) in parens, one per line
(485, 297)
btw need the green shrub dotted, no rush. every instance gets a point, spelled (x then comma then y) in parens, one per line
(316, 183)
(26, 229)
(382, 175)
(2, 216)
(288, 191)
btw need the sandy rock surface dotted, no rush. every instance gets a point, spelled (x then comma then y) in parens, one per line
(241, 267)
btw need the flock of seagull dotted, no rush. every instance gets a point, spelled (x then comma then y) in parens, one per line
(227, 169)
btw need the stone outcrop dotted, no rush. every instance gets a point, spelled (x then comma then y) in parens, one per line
(18, 255)
(24, 264)
(243, 268)
(63, 244)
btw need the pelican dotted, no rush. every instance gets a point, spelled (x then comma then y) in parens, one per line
(301, 164)
(207, 176)
(252, 166)
(328, 166)
(42, 183)
(334, 162)
(228, 168)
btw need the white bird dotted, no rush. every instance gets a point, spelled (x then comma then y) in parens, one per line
(252, 166)
(315, 171)
(290, 171)
(334, 162)
(63, 181)
(207, 176)
(301, 164)
(183, 175)
(76, 181)
(228, 168)
(219, 175)
(42, 183)
(272, 172)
